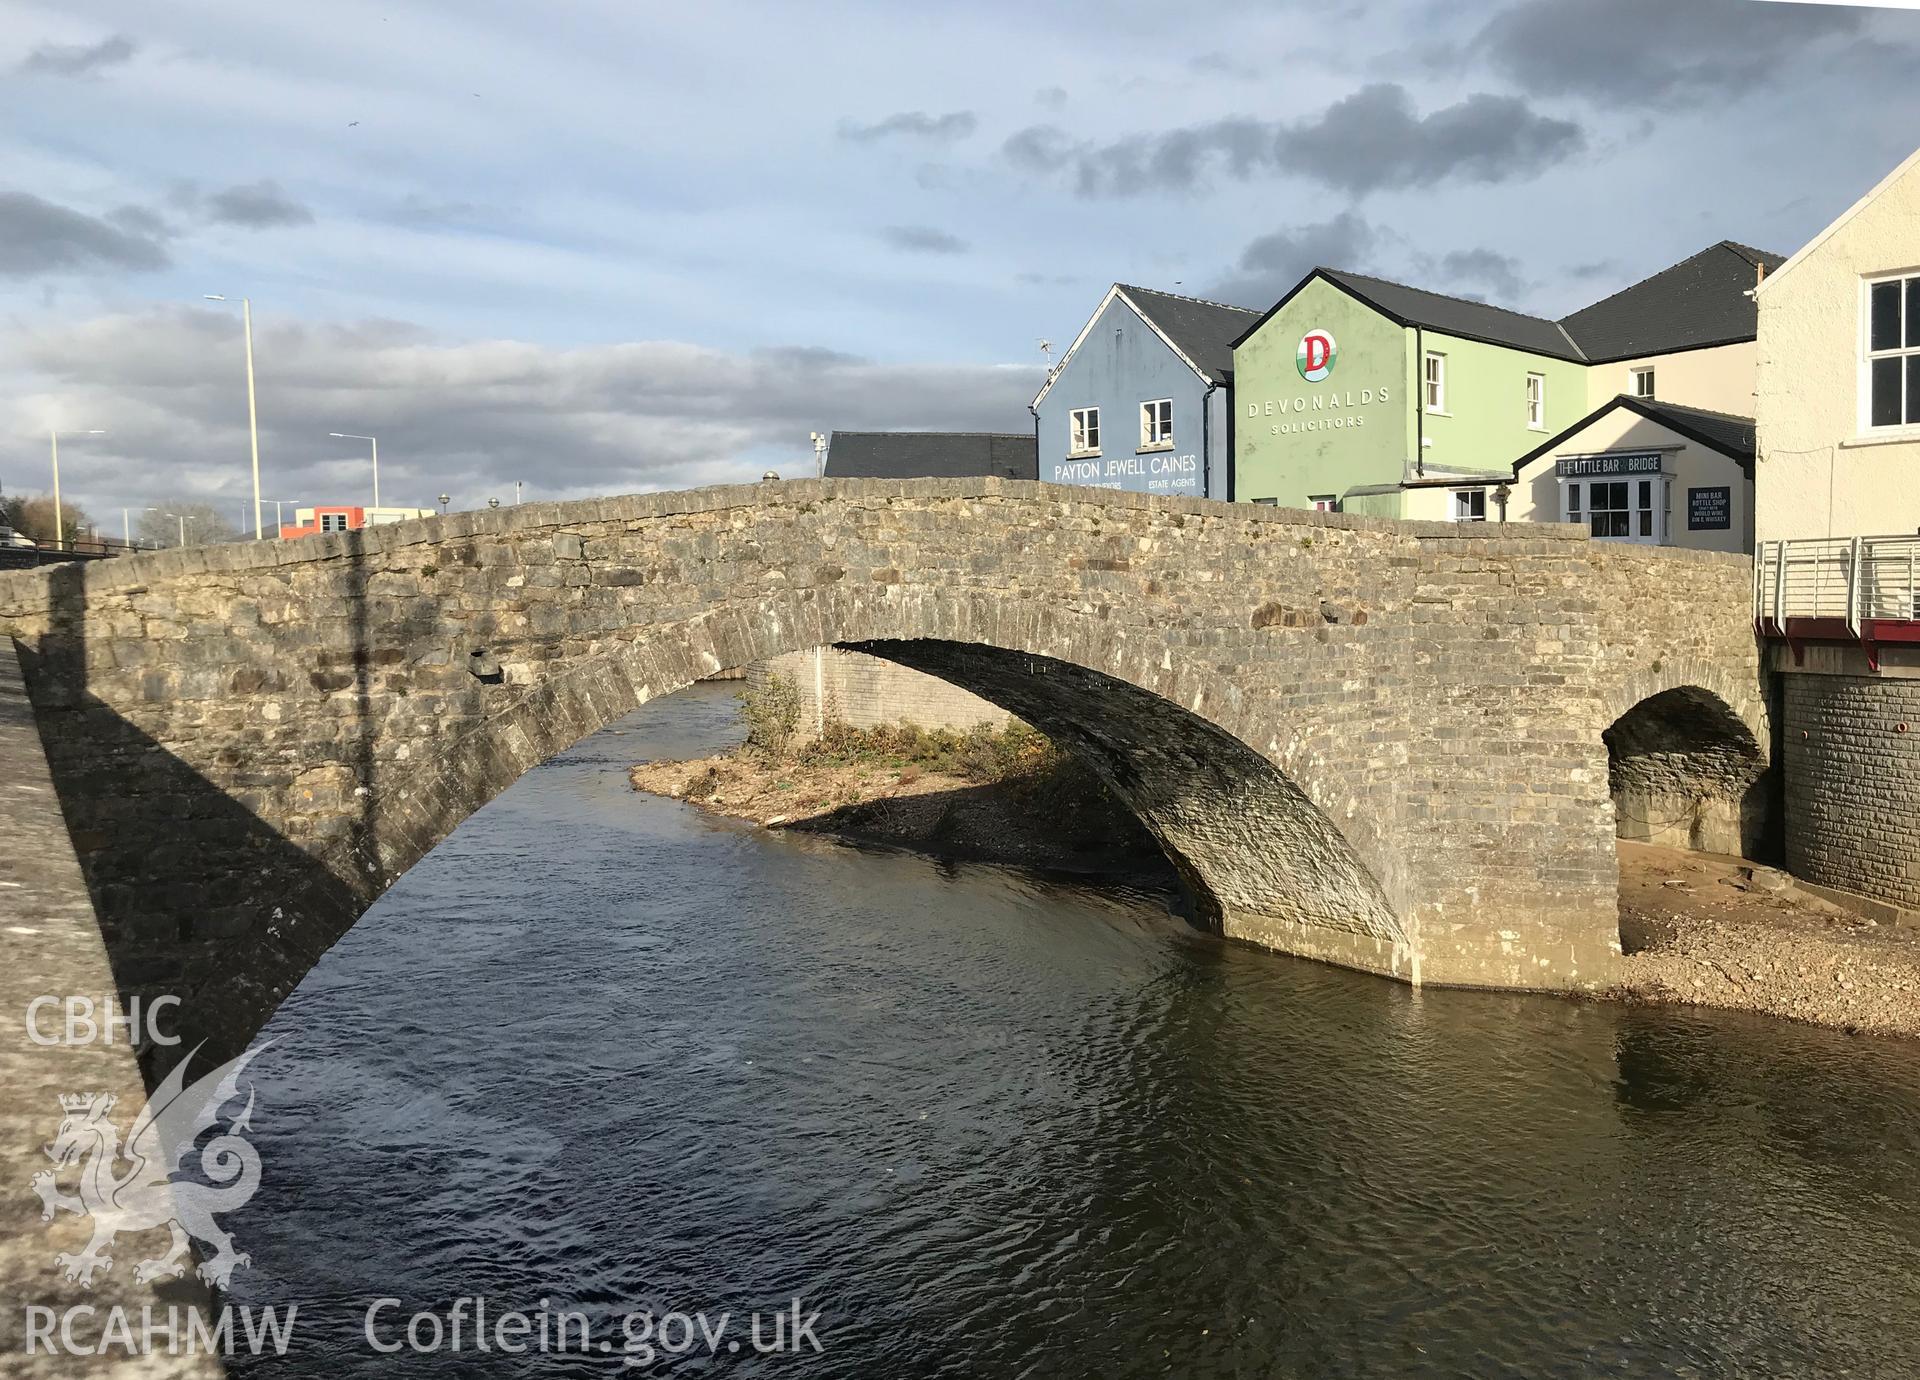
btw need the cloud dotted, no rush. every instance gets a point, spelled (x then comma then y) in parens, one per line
(1657, 52)
(1367, 141)
(1052, 97)
(1223, 65)
(38, 237)
(257, 206)
(1459, 269)
(914, 124)
(464, 417)
(79, 59)
(430, 212)
(1273, 263)
(923, 239)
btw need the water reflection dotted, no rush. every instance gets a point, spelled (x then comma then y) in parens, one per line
(602, 1050)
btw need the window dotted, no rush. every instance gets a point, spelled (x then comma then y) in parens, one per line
(1436, 382)
(333, 522)
(1086, 431)
(1156, 423)
(1537, 401)
(1268, 502)
(1619, 509)
(1893, 352)
(1643, 383)
(1325, 503)
(1469, 505)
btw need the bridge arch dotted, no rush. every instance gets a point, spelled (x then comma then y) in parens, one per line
(1689, 761)
(1271, 854)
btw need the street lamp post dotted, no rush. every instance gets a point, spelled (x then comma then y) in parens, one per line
(59, 519)
(373, 441)
(182, 518)
(279, 518)
(253, 415)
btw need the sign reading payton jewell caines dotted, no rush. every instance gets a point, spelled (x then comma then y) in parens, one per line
(1609, 466)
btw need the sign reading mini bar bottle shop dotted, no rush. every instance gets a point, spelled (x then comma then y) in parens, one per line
(1608, 466)
(1709, 510)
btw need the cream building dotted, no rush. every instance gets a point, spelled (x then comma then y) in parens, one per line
(1838, 405)
(1635, 470)
(1685, 335)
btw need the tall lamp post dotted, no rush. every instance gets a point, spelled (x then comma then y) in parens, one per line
(253, 415)
(373, 441)
(182, 518)
(279, 519)
(59, 520)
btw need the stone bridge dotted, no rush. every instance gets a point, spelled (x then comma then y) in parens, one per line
(1401, 747)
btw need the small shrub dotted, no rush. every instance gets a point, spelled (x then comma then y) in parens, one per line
(772, 711)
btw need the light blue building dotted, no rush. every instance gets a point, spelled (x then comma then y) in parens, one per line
(1143, 398)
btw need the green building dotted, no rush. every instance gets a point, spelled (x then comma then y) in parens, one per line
(1354, 382)
(1357, 393)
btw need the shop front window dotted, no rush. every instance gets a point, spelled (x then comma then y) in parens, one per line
(1618, 509)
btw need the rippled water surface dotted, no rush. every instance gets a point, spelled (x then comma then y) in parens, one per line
(601, 1050)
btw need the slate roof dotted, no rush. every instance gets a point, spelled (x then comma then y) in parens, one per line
(1726, 433)
(1412, 306)
(932, 454)
(1703, 300)
(1721, 430)
(1699, 301)
(1204, 331)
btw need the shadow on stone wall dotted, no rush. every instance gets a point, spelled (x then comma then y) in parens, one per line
(1685, 771)
(1242, 835)
(196, 896)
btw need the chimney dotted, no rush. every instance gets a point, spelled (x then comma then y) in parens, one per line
(1760, 274)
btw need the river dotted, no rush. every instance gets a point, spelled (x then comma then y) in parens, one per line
(602, 1051)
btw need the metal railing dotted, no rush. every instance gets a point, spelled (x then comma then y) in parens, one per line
(1847, 579)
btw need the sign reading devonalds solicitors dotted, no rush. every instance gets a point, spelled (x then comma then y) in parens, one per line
(1608, 466)
(1709, 510)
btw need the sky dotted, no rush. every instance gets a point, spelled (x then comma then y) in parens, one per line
(615, 245)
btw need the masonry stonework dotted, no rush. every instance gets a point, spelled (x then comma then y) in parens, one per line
(1852, 777)
(1375, 743)
(835, 683)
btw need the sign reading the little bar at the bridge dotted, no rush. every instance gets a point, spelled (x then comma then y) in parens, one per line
(1608, 466)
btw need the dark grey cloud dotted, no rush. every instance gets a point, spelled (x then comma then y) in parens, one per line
(1274, 262)
(1477, 273)
(1370, 140)
(923, 239)
(913, 124)
(257, 206)
(465, 417)
(39, 237)
(1597, 268)
(1658, 52)
(79, 59)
